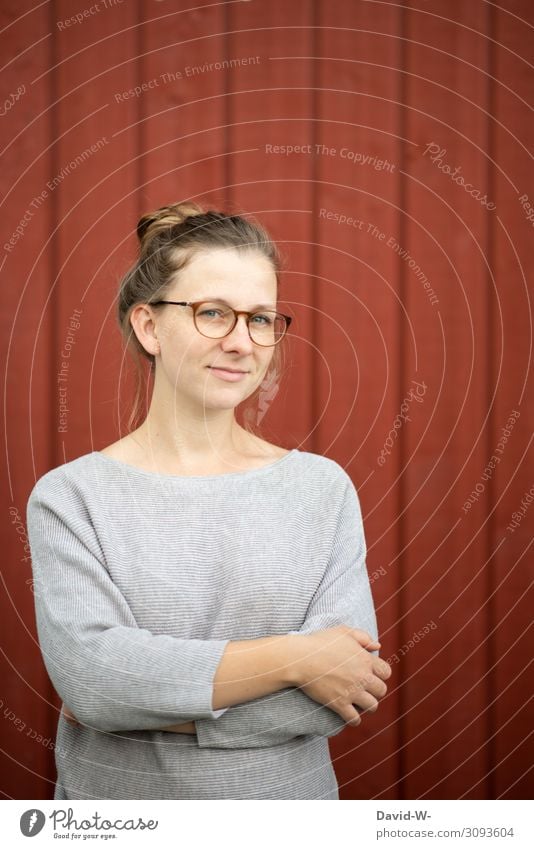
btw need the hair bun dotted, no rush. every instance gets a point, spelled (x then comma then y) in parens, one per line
(152, 223)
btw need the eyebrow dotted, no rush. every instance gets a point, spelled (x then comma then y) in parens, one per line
(252, 309)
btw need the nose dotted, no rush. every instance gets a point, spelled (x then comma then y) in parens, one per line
(238, 339)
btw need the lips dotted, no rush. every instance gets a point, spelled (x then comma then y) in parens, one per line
(225, 368)
(228, 375)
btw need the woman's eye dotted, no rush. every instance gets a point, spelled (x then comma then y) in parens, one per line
(211, 313)
(264, 319)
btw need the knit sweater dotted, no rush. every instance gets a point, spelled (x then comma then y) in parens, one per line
(140, 581)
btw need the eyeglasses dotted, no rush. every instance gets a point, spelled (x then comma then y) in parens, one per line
(214, 320)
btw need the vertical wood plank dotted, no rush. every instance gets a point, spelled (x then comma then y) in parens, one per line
(360, 320)
(443, 581)
(511, 489)
(269, 103)
(97, 205)
(26, 265)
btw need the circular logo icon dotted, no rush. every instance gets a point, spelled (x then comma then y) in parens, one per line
(31, 822)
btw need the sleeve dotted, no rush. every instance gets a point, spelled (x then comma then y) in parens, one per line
(112, 674)
(342, 598)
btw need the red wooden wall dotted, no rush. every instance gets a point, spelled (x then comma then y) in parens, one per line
(411, 359)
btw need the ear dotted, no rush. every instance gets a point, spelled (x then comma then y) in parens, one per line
(143, 322)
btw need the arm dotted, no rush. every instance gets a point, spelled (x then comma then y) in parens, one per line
(342, 598)
(112, 675)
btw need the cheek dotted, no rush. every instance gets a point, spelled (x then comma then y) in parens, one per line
(262, 370)
(187, 350)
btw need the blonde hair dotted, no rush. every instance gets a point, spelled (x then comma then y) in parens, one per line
(169, 237)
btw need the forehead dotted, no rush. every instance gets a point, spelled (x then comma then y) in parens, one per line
(234, 277)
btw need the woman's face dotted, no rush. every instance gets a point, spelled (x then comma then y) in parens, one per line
(192, 365)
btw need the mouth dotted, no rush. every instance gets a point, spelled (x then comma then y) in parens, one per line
(228, 374)
(233, 370)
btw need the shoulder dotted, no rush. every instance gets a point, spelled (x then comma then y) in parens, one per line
(62, 506)
(319, 464)
(325, 483)
(324, 473)
(61, 481)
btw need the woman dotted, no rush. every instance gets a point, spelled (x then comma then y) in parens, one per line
(202, 600)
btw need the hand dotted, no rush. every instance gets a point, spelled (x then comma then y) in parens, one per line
(335, 667)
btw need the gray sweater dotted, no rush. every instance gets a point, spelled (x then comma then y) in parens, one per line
(141, 579)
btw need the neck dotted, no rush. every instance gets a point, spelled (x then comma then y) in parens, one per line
(181, 432)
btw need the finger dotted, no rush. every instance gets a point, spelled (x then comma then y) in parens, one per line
(377, 687)
(381, 668)
(367, 703)
(369, 649)
(364, 638)
(349, 714)
(366, 690)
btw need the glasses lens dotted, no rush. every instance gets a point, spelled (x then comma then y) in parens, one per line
(214, 319)
(267, 328)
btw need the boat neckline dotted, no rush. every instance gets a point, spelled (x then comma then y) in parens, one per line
(224, 476)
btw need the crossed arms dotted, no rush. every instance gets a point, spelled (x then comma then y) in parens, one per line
(115, 676)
